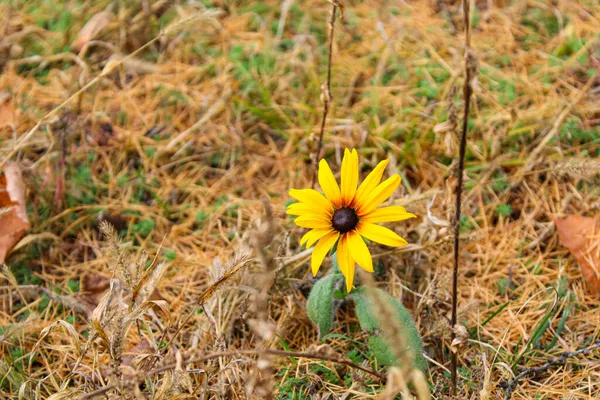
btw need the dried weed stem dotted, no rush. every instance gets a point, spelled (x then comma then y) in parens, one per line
(325, 96)
(470, 70)
(510, 387)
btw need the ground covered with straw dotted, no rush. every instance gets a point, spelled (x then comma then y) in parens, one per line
(158, 147)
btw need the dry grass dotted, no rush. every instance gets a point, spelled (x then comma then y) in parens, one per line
(177, 146)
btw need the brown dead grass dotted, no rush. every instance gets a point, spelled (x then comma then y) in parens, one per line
(253, 141)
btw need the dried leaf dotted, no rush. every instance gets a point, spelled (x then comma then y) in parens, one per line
(146, 306)
(147, 283)
(435, 220)
(461, 336)
(581, 235)
(90, 30)
(13, 223)
(93, 288)
(101, 333)
(100, 311)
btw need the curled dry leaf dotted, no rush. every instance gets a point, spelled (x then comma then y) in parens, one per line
(435, 220)
(115, 294)
(90, 30)
(162, 305)
(13, 219)
(581, 235)
(461, 335)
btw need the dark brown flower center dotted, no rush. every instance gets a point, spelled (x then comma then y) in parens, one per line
(344, 220)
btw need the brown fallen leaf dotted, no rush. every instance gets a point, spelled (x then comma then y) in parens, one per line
(93, 287)
(13, 212)
(581, 235)
(91, 29)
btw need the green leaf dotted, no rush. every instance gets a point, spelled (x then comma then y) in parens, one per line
(320, 303)
(381, 350)
(369, 322)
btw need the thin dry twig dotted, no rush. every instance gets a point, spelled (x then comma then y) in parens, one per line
(510, 386)
(326, 95)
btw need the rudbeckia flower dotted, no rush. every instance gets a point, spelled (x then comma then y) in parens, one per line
(346, 214)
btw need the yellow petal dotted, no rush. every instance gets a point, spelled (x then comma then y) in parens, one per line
(304, 208)
(350, 277)
(349, 176)
(359, 251)
(321, 249)
(329, 185)
(313, 235)
(387, 214)
(346, 262)
(380, 234)
(379, 195)
(306, 236)
(312, 198)
(370, 182)
(313, 221)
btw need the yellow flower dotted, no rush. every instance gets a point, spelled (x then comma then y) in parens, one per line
(346, 214)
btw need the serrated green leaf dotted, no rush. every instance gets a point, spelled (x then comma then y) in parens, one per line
(320, 303)
(369, 322)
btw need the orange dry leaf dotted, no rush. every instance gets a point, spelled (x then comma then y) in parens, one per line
(581, 235)
(13, 213)
(92, 29)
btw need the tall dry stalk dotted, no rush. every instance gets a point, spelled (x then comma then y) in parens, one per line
(470, 70)
(326, 94)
